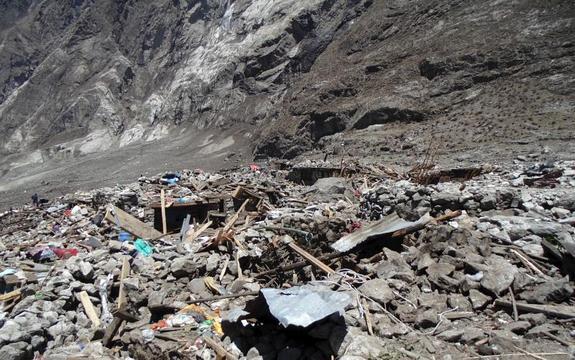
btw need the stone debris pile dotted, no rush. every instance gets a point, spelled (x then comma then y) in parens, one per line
(296, 262)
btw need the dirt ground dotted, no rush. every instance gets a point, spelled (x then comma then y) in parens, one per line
(206, 150)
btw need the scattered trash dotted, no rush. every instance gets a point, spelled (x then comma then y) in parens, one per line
(254, 262)
(303, 305)
(143, 247)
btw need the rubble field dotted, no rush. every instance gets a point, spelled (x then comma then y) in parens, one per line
(312, 260)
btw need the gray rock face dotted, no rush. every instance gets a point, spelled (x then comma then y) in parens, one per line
(460, 302)
(550, 291)
(472, 334)
(357, 344)
(451, 334)
(183, 266)
(518, 327)
(447, 199)
(478, 299)
(94, 76)
(395, 267)
(427, 318)
(327, 189)
(534, 319)
(12, 332)
(378, 290)
(112, 73)
(15, 351)
(566, 201)
(499, 275)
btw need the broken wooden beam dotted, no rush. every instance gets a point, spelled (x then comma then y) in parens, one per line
(241, 195)
(309, 257)
(89, 309)
(11, 295)
(297, 265)
(235, 217)
(561, 312)
(163, 202)
(111, 331)
(221, 352)
(199, 231)
(123, 275)
(131, 224)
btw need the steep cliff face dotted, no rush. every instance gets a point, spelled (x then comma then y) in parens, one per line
(82, 76)
(469, 74)
(183, 80)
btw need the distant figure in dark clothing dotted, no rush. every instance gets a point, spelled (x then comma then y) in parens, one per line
(35, 200)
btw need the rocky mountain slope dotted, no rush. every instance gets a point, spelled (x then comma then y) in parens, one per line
(465, 73)
(88, 84)
(84, 76)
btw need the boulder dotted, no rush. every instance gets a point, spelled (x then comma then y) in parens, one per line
(478, 299)
(451, 335)
(471, 335)
(357, 344)
(549, 291)
(395, 267)
(184, 266)
(378, 290)
(447, 199)
(426, 319)
(534, 319)
(16, 351)
(518, 327)
(460, 302)
(499, 275)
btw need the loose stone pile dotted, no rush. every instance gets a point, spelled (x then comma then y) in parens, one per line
(486, 280)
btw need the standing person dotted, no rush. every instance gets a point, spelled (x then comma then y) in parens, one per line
(35, 200)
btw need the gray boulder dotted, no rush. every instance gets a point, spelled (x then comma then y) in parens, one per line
(499, 275)
(378, 290)
(549, 291)
(184, 266)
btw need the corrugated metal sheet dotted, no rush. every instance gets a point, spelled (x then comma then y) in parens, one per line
(387, 225)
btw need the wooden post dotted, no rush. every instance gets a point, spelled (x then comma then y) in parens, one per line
(111, 331)
(199, 231)
(221, 352)
(129, 223)
(309, 257)
(367, 316)
(163, 201)
(123, 275)
(89, 309)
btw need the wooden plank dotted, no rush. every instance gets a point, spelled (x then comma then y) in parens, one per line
(224, 268)
(309, 257)
(111, 331)
(199, 232)
(163, 201)
(123, 275)
(131, 224)
(221, 352)
(185, 227)
(529, 264)
(89, 309)
(562, 312)
(367, 316)
(235, 217)
(11, 295)
(239, 268)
